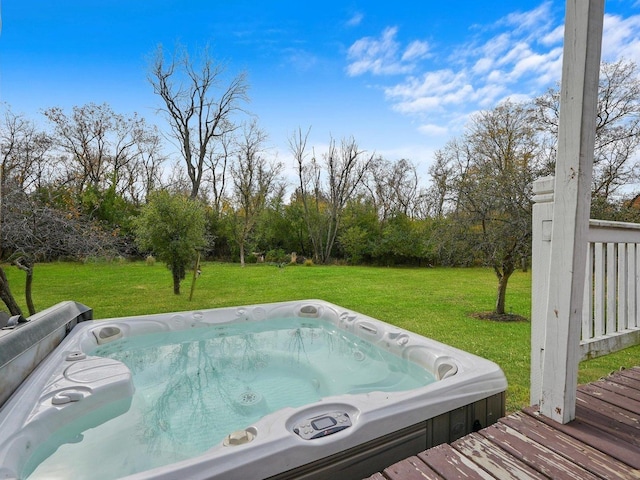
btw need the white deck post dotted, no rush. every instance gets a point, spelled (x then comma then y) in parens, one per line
(572, 193)
(540, 261)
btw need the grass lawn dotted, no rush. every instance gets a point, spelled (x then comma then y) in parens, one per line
(435, 302)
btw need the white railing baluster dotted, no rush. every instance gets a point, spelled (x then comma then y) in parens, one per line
(631, 283)
(599, 290)
(636, 277)
(622, 286)
(587, 300)
(611, 288)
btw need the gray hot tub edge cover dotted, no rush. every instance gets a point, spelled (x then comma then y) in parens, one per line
(28, 334)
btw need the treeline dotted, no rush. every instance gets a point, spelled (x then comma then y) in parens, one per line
(74, 188)
(74, 191)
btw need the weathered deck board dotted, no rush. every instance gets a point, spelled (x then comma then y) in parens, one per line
(450, 463)
(624, 380)
(608, 418)
(570, 448)
(619, 388)
(614, 398)
(537, 456)
(495, 460)
(410, 469)
(633, 373)
(603, 442)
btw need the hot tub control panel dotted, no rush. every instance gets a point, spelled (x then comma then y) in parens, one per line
(322, 425)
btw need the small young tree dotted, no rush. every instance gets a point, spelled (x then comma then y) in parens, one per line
(172, 226)
(488, 175)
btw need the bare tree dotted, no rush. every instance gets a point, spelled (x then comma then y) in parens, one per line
(218, 163)
(198, 107)
(346, 167)
(34, 232)
(145, 172)
(254, 180)
(104, 150)
(306, 173)
(325, 187)
(446, 162)
(32, 228)
(23, 150)
(393, 187)
(615, 162)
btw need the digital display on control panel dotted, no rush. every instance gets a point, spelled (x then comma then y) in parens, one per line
(324, 422)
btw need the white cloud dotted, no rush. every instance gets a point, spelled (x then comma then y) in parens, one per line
(483, 65)
(621, 38)
(554, 37)
(496, 76)
(496, 46)
(432, 130)
(435, 83)
(531, 23)
(487, 95)
(434, 98)
(416, 50)
(301, 60)
(550, 70)
(516, 53)
(382, 55)
(375, 55)
(418, 105)
(516, 58)
(459, 96)
(355, 20)
(530, 64)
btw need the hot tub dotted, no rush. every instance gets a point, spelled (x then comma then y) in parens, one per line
(302, 389)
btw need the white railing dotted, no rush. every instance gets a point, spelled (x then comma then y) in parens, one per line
(612, 291)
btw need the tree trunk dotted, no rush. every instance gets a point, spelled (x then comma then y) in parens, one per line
(242, 254)
(195, 188)
(26, 265)
(28, 292)
(503, 279)
(6, 296)
(176, 281)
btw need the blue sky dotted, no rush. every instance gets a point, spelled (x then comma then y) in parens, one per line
(400, 77)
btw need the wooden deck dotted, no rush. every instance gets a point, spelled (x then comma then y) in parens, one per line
(603, 442)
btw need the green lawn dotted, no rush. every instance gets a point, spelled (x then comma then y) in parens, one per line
(435, 302)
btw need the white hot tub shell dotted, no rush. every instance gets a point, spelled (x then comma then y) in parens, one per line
(382, 426)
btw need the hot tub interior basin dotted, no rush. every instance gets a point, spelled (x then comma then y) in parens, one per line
(288, 390)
